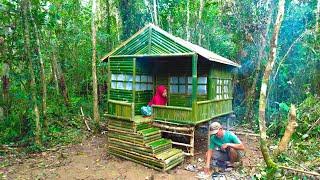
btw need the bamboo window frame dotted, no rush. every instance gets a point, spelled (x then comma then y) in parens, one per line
(223, 89)
(186, 83)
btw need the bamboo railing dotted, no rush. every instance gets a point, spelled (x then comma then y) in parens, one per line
(212, 108)
(200, 112)
(172, 114)
(120, 110)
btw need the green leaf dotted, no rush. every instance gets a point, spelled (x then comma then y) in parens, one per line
(284, 107)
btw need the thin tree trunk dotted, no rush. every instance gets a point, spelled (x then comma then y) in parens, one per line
(170, 21)
(252, 92)
(5, 84)
(5, 77)
(155, 12)
(25, 5)
(109, 26)
(199, 29)
(60, 76)
(188, 20)
(317, 16)
(146, 3)
(94, 68)
(290, 129)
(54, 74)
(42, 72)
(264, 86)
(118, 24)
(62, 84)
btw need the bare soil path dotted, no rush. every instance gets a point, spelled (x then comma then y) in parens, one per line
(90, 160)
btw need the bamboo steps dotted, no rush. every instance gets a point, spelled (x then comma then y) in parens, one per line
(142, 143)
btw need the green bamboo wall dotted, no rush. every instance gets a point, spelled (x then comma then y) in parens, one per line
(120, 109)
(121, 95)
(121, 65)
(222, 72)
(183, 100)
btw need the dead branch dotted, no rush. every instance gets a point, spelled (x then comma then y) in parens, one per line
(288, 51)
(305, 168)
(247, 134)
(291, 169)
(313, 125)
(301, 171)
(84, 119)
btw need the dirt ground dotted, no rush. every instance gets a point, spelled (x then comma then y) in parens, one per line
(90, 160)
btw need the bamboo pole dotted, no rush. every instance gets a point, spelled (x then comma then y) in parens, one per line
(154, 55)
(172, 107)
(177, 128)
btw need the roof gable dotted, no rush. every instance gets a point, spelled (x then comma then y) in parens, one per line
(152, 40)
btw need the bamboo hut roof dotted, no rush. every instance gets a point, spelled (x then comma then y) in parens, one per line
(152, 41)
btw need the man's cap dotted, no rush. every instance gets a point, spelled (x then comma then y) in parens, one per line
(214, 128)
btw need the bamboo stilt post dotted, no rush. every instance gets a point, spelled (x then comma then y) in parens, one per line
(194, 87)
(210, 83)
(134, 85)
(192, 142)
(108, 82)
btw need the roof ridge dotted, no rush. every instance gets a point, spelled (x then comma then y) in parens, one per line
(186, 44)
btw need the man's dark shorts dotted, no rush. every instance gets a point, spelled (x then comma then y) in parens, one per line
(222, 155)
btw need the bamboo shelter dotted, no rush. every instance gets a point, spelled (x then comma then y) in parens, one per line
(199, 87)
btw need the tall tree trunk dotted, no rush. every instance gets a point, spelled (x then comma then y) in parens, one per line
(5, 84)
(55, 77)
(42, 72)
(118, 24)
(94, 68)
(188, 20)
(155, 12)
(317, 16)
(149, 9)
(170, 21)
(199, 29)
(4, 106)
(264, 86)
(58, 72)
(251, 96)
(109, 26)
(25, 5)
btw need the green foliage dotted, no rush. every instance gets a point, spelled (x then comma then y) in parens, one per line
(284, 107)
(309, 114)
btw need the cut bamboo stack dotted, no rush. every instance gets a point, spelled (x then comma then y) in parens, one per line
(142, 143)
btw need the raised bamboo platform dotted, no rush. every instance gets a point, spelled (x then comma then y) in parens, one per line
(140, 142)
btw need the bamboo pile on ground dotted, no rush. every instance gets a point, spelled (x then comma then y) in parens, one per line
(140, 142)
